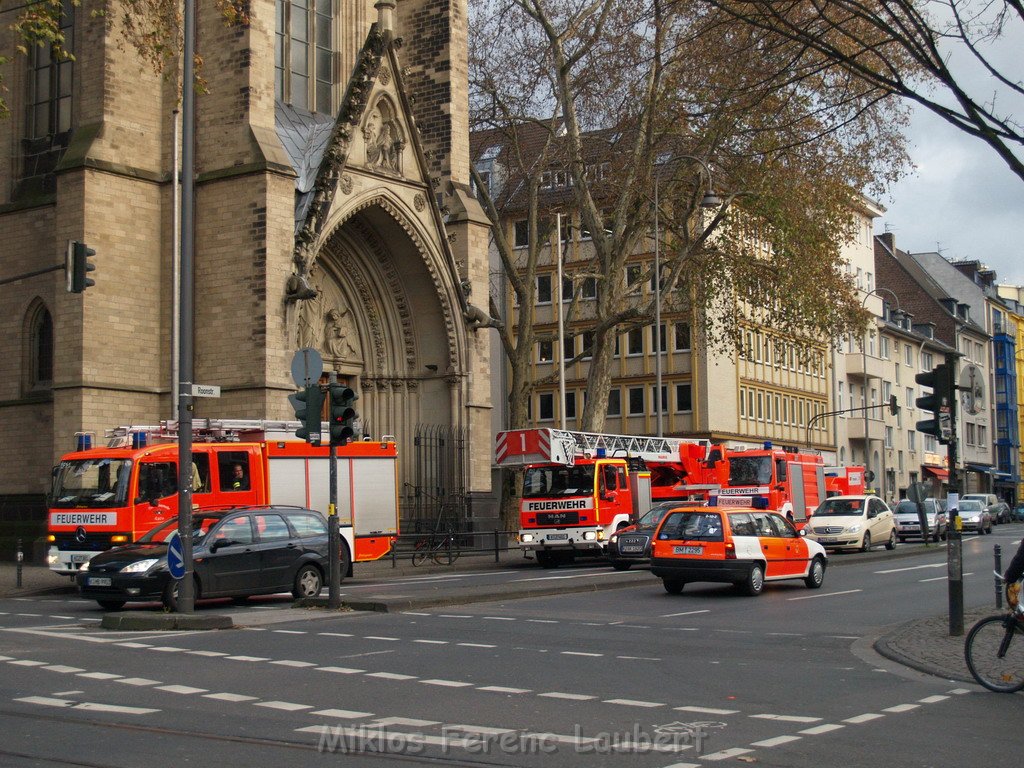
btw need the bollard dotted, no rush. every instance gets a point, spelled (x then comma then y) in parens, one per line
(998, 553)
(497, 558)
(20, 557)
(394, 553)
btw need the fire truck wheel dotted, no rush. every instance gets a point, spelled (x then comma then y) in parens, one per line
(111, 605)
(755, 580)
(891, 543)
(816, 576)
(673, 586)
(308, 582)
(621, 565)
(547, 559)
(865, 544)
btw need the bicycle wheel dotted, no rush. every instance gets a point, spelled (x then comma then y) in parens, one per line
(994, 652)
(421, 552)
(447, 551)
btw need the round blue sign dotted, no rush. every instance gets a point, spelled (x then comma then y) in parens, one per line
(175, 562)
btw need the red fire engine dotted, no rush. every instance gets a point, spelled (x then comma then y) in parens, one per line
(844, 481)
(106, 496)
(580, 487)
(780, 479)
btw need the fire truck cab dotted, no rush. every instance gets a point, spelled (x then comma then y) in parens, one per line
(783, 480)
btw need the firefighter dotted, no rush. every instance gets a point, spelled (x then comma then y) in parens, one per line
(239, 480)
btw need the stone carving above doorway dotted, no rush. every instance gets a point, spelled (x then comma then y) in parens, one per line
(384, 137)
(326, 323)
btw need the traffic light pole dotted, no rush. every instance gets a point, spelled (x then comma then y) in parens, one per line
(333, 533)
(954, 540)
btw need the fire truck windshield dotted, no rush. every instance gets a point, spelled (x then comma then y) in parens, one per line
(750, 470)
(545, 482)
(94, 483)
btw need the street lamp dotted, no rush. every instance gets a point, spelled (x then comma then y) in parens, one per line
(561, 323)
(864, 361)
(710, 200)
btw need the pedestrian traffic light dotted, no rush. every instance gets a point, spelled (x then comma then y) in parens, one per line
(309, 406)
(343, 414)
(77, 267)
(939, 402)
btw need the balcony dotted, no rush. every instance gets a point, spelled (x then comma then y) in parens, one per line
(855, 427)
(857, 366)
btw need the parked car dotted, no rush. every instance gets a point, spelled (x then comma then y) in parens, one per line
(1001, 513)
(908, 524)
(632, 544)
(853, 522)
(992, 503)
(974, 516)
(236, 553)
(746, 547)
(1018, 512)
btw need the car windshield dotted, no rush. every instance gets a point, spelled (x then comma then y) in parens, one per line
(201, 525)
(970, 505)
(705, 526)
(94, 483)
(907, 507)
(750, 470)
(544, 482)
(840, 507)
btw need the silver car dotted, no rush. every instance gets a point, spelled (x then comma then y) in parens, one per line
(974, 516)
(908, 525)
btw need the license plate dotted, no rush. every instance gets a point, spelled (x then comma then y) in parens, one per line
(634, 548)
(827, 539)
(99, 581)
(557, 536)
(79, 558)
(687, 550)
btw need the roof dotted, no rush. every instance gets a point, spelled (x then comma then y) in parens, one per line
(305, 137)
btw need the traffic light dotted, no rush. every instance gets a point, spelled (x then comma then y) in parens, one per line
(309, 406)
(343, 414)
(77, 267)
(939, 402)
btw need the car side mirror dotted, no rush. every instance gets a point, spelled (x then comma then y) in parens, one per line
(609, 496)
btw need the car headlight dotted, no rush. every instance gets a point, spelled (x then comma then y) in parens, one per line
(614, 538)
(589, 536)
(527, 537)
(854, 528)
(140, 566)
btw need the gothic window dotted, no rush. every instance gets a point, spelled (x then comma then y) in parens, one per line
(304, 55)
(40, 348)
(48, 104)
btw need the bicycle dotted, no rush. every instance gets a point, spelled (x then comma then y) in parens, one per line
(994, 650)
(443, 550)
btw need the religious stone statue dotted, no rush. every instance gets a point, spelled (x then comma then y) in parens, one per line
(340, 340)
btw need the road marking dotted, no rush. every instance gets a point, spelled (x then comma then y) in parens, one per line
(499, 618)
(27, 663)
(826, 728)
(167, 649)
(390, 676)
(89, 705)
(960, 691)
(634, 703)
(63, 668)
(407, 721)
(414, 613)
(788, 718)
(901, 708)
(913, 568)
(247, 658)
(235, 697)
(287, 706)
(447, 683)
(33, 615)
(707, 710)
(932, 699)
(502, 689)
(480, 730)
(865, 718)
(341, 670)
(454, 616)
(99, 675)
(138, 681)
(135, 645)
(290, 631)
(476, 645)
(6, 658)
(291, 663)
(934, 578)
(541, 621)
(562, 578)
(182, 689)
(61, 617)
(432, 642)
(638, 658)
(827, 594)
(725, 754)
(208, 653)
(336, 634)
(569, 696)
(774, 742)
(379, 637)
(344, 714)
(581, 653)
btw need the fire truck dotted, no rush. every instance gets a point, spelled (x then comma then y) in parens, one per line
(107, 496)
(844, 481)
(783, 480)
(580, 487)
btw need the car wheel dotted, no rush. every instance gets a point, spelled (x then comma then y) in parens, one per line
(935, 535)
(891, 543)
(111, 605)
(308, 582)
(621, 565)
(755, 580)
(673, 586)
(547, 560)
(816, 576)
(865, 544)
(170, 596)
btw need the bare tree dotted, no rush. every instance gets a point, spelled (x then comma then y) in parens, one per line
(952, 57)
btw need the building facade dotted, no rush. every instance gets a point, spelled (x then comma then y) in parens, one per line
(331, 211)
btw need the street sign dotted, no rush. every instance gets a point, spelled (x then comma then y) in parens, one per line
(972, 389)
(307, 366)
(175, 562)
(205, 390)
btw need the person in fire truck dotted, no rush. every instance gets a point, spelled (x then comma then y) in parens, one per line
(239, 480)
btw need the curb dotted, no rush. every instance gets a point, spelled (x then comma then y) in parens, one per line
(148, 622)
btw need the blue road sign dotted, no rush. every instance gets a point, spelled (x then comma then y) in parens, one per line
(175, 562)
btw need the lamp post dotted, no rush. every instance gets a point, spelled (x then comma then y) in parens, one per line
(710, 200)
(864, 361)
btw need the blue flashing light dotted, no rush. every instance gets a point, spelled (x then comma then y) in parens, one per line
(138, 439)
(759, 502)
(601, 453)
(767, 445)
(83, 441)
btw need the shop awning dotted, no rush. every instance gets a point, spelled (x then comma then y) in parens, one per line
(938, 472)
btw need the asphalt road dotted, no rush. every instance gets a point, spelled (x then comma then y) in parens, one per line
(629, 676)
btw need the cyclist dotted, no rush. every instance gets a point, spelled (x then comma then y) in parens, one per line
(1013, 575)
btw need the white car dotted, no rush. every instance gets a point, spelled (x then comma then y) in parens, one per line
(853, 522)
(908, 525)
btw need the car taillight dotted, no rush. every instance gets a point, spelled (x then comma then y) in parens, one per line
(730, 551)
